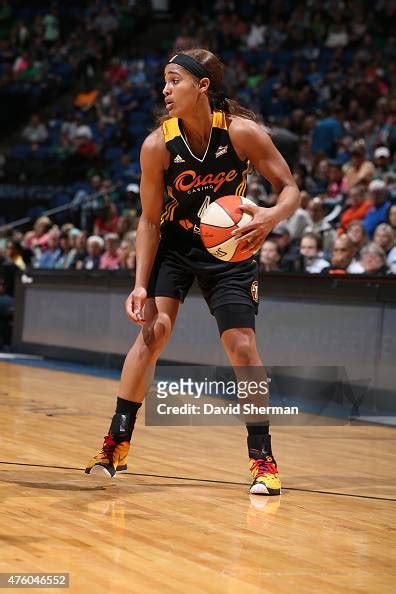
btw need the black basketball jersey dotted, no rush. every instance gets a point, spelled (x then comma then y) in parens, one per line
(192, 183)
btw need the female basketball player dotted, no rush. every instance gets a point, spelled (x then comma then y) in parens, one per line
(201, 151)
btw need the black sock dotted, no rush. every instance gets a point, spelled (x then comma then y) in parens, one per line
(123, 422)
(258, 440)
(127, 406)
(257, 429)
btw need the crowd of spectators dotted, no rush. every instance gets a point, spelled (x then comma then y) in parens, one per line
(353, 233)
(100, 130)
(45, 46)
(48, 246)
(321, 77)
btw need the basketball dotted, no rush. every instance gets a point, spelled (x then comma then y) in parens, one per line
(218, 221)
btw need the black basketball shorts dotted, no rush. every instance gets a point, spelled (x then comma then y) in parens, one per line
(223, 284)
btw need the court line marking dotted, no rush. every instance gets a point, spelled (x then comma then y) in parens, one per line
(186, 478)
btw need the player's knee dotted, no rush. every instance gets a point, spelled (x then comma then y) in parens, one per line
(157, 334)
(242, 350)
(162, 327)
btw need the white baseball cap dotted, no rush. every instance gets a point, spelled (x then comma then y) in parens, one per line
(376, 184)
(133, 188)
(382, 151)
(84, 132)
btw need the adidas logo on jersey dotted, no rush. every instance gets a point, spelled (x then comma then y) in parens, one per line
(222, 150)
(178, 159)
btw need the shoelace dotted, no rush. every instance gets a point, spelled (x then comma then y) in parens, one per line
(108, 447)
(260, 467)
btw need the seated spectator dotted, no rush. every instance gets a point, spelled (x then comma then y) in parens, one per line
(336, 185)
(40, 228)
(84, 143)
(373, 260)
(256, 35)
(106, 21)
(391, 217)
(305, 199)
(83, 131)
(64, 148)
(51, 28)
(384, 236)
(127, 253)
(78, 241)
(95, 245)
(269, 257)
(67, 254)
(35, 132)
(357, 234)
(312, 261)
(125, 224)
(359, 170)
(256, 193)
(50, 250)
(117, 72)
(21, 64)
(109, 192)
(357, 206)
(133, 206)
(288, 250)
(297, 223)
(342, 258)
(321, 176)
(14, 253)
(304, 181)
(337, 35)
(382, 162)
(110, 259)
(70, 125)
(88, 199)
(377, 214)
(319, 225)
(107, 221)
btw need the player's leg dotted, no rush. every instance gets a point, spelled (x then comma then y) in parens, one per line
(140, 361)
(136, 377)
(169, 284)
(240, 346)
(231, 291)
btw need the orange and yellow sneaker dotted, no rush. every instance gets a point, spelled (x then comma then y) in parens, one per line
(110, 459)
(264, 470)
(122, 462)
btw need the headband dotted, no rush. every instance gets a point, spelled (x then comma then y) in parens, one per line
(190, 64)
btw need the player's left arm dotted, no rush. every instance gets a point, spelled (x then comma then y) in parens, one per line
(252, 142)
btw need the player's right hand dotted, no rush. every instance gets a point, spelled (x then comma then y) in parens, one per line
(134, 305)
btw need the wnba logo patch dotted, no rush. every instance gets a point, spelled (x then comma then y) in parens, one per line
(254, 291)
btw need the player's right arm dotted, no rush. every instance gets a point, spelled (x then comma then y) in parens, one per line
(153, 158)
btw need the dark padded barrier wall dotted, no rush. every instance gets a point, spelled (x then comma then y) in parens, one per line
(303, 321)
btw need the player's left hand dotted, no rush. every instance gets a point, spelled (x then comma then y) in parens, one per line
(255, 233)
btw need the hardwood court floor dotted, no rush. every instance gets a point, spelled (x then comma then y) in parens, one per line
(181, 520)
